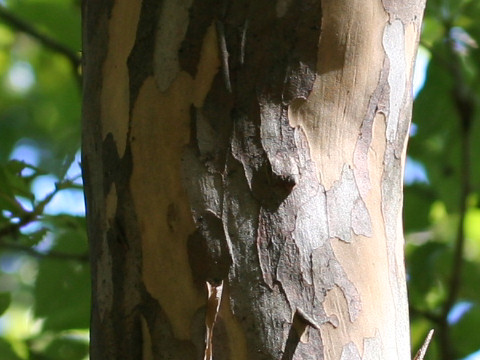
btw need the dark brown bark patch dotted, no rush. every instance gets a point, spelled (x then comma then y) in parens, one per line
(164, 345)
(201, 16)
(140, 60)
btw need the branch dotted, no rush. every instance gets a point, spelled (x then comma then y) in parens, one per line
(46, 40)
(30, 216)
(466, 109)
(13, 228)
(51, 254)
(465, 105)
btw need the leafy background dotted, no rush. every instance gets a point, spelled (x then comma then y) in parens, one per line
(44, 271)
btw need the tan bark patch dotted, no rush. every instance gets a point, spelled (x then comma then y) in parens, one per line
(341, 93)
(162, 207)
(115, 88)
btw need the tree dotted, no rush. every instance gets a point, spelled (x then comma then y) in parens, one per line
(44, 273)
(243, 166)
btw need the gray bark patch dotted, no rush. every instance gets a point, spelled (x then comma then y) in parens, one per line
(346, 210)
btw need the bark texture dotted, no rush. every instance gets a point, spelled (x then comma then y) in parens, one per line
(243, 164)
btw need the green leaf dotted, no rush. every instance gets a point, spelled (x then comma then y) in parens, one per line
(63, 286)
(67, 347)
(68, 222)
(428, 266)
(470, 275)
(472, 233)
(418, 201)
(432, 30)
(61, 295)
(11, 185)
(437, 144)
(7, 352)
(5, 299)
(35, 237)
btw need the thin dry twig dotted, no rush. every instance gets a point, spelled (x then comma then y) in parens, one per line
(423, 349)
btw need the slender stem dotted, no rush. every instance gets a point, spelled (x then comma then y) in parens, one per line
(28, 217)
(44, 39)
(464, 103)
(14, 228)
(455, 280)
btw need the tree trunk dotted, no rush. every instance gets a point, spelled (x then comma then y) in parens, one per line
(243, 166)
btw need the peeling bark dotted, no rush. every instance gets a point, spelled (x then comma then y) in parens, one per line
(258, 145)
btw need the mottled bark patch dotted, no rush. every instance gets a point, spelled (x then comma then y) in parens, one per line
(260, 209)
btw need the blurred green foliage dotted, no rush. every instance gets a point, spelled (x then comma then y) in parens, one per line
(442, 216)
(44, 273)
